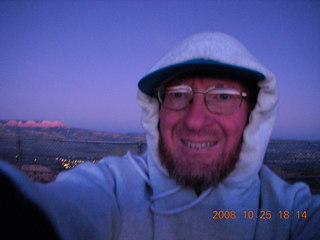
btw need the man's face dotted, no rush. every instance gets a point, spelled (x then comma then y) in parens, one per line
(198, 147)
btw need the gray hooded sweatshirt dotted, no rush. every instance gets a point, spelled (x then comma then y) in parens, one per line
(133, 197)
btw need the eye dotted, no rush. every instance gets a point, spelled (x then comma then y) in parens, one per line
(177, 94)
(224, 96)
(221, 95)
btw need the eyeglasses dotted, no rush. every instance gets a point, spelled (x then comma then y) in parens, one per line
(218, 100)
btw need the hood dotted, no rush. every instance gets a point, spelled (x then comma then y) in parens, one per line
(220, 50)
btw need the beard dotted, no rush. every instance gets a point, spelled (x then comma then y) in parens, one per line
(209, 175)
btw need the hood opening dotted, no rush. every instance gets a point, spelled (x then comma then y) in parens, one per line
(154, 79)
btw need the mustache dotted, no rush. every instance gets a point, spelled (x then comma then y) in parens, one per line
(203, 132)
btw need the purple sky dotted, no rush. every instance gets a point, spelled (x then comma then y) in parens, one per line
(79, 61)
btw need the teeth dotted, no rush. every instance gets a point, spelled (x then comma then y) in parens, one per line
(199, 145)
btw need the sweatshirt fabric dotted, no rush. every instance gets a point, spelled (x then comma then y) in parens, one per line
(133, 197)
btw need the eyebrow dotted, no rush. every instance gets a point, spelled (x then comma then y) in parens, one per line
(173, 87)
(178, 86)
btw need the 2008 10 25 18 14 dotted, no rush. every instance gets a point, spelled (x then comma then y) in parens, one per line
(262, 214)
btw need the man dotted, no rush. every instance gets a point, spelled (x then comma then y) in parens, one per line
(207, 109)
(202, 119)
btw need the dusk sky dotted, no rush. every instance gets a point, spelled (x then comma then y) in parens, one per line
(79, 61)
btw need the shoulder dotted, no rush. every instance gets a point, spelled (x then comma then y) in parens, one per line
(272, 182)
(280, 194)
(294, 198)
(123, 164)
(130, 167)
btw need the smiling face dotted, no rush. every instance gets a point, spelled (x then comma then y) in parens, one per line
(199, 148)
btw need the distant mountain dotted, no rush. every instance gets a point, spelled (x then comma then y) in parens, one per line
(58, 130)
(32, 124)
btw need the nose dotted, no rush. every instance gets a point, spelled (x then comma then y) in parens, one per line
(197, 114)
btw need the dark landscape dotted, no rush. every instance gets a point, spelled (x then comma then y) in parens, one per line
(42, 149)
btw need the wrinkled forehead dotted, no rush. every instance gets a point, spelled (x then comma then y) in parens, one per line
(204, 80)
(207, 82)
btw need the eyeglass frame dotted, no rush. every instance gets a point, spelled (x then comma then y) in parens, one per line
(241, 94)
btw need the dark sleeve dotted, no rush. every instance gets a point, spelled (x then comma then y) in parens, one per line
(20, 217)
(79, 205)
